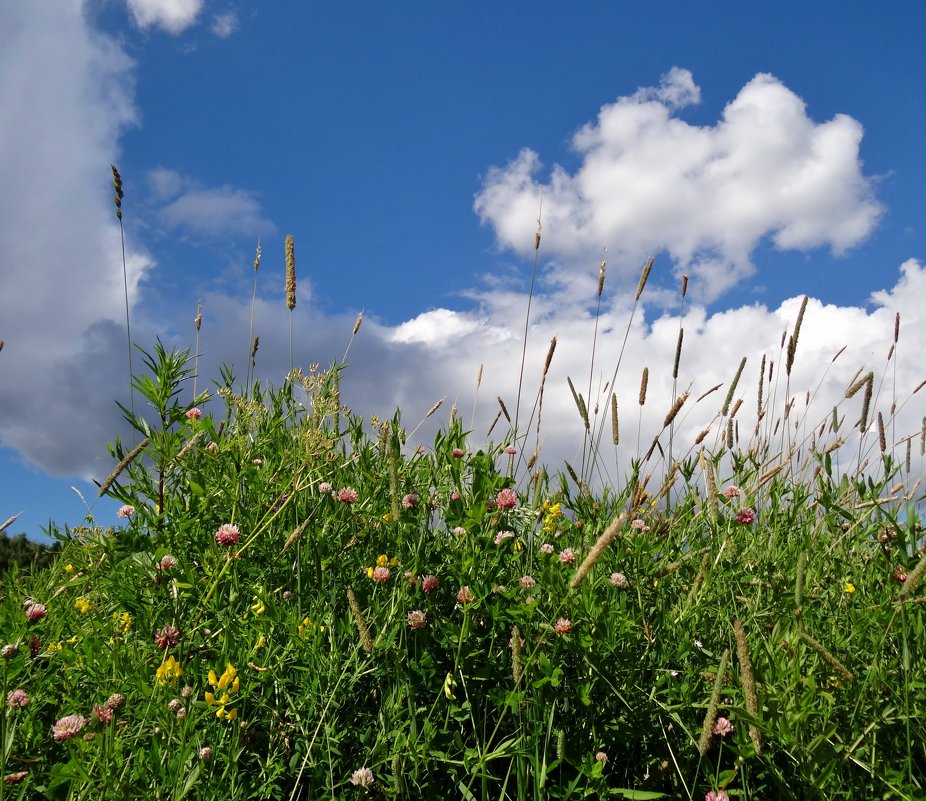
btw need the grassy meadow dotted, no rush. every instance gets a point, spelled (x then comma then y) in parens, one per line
(297, 603)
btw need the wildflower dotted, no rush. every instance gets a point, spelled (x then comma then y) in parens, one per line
(745, 516)
(567, 556)
(16, 778)
(380, 574)
(899, 575)
(261, 642)
(552, 513)
(35, 611)
(731, 491)
(511, 450)
(123, 621)
(546, 548)
(450, 684)
(115, 702)
(82, 605)
(601, 756)
(68, 727)
(213, 447)
(530, 600)
(383, 560)
(722, 727)
(125, 511)
(362, 777)
(410, 501)
(639, 524)
(227, 535)
(498, 588)
(227, 684)
(526, 582)
(429, 584)
(194, 414)
(457, 453)
(257, 462)
(17, 699)
(54, 646)
(167, 562)
(849, 587)
(104, 714)
(716, 795)
(455, 496)
(70, 569)
(502, 536)
(9, 651)
(287, 595)
(168, 672)
(417, 619)
(324, 488)
(459, 531)
(619, 580)
(563, 626)
(167, 637)
(465, 595)
(181, 713)
(175, 704)
(205, 753)
(347, 495)
(507, 499)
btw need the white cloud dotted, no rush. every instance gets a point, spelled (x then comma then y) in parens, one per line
(206, 211)
(438, 354)
(224, 25)
(62, 297)
(649, 181)
(174, 16)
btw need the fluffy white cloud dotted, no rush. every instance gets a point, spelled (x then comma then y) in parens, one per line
(62, 304)
(174, 16)
(439, 354)
(649, 182)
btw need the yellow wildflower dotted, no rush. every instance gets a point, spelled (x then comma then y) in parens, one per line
(849, 587)
(82, 605)
(168, 672)
(261, 642)
(370, 572)
(227, 684)
(308, 625)
(258, 607)
(551, 515)
(123, 621)
(54, 646)
(382, 560)
(69, 569)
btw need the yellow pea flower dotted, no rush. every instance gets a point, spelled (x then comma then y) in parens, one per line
(168, 672)
(82, 605)
(849, 587)
(382, 560)
(69, 569)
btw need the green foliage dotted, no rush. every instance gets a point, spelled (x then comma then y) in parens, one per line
(249, 673)
(24, 554)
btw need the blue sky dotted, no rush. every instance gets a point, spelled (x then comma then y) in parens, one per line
(769, 150)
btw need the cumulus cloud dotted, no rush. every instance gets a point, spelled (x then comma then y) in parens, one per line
(439, 353)
(186, 205)
(62, 284)
(174, 16)
(708, 195)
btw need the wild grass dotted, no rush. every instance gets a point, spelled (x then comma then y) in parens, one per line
(299, 603)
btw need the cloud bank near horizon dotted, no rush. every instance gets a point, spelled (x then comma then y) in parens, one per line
(61, 308)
